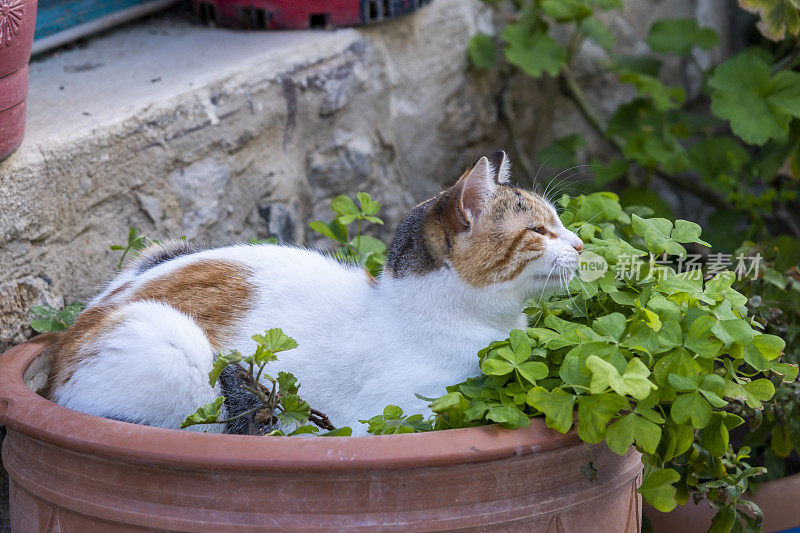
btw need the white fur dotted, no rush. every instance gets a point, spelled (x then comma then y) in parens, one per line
(360, 347)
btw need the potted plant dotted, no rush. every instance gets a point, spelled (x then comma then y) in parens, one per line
(17, 21)
(76, 472)
(638, 353)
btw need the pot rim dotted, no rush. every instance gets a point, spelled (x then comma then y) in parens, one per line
(24, 411)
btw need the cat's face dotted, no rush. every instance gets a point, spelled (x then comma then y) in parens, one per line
(490, 233)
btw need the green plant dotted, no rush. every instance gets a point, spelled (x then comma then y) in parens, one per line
(362, 249)
(278, 405)
(52, 319)
(646, 355)
(740, 156)
(773, 292)
(136, 243)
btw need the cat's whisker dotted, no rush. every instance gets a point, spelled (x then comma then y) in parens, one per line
(553, 181)
(564, 184)
(541, 166)
(590, 219)
(544, 287)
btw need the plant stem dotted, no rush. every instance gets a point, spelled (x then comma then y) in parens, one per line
(240, 415)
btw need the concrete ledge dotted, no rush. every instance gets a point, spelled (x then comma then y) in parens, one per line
(223, 135)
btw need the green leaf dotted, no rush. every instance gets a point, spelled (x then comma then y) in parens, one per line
(556, 405)
(677, 362)
(638, 63)
(448, 402)
(392, 411)
(338, 432)
(679, 35)
(656, 233)
(739, 330)
(778, 17)
(633, 381)
(44, 325)
(368, 205)
(334, 231)
(714, 437)
(691, 406)
(534, 52)
(596, 30)
(770, 346)
(612, 325)
(495, 366)
(723, 521)
(622, 433)
(760, 389)
(344, 206)
(566, 10)
(686, 232)
(275, 340)
(295, 410)
(700, 339)
(287, 383)
(481, 50)
(509, 417)
(221, 363)
(533, 371)
(664, 98)
(758, 106)
(599, 206)
(207, 414)
(304, 430)
(595, 411)
(780, 441)
(657, 489)
(521, 344)
(788, 371)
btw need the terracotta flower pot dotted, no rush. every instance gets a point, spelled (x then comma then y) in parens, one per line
(17, 21)
(74, 472)
(777, 500)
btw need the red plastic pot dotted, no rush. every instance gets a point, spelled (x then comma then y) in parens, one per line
(17, 21)
(74, 472)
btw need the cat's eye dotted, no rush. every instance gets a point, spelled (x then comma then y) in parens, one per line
(539, 229)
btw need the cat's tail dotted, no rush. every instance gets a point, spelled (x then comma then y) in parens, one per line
(147, 364)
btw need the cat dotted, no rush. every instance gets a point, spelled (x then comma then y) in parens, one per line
(458, 273)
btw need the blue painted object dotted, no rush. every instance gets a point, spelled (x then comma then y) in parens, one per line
(793, 530)
(54, 16)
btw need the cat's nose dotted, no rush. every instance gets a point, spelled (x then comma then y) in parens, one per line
(576, 242)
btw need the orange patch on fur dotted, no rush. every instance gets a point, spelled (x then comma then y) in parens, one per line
(69, 350)
(214, 293)
(116, 291)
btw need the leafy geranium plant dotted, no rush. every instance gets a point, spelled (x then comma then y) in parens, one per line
(278, 404)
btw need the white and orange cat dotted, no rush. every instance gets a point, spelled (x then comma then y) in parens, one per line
(457, 277)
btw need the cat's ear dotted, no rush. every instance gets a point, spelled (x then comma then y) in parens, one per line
(501, 166)
(471, 194)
